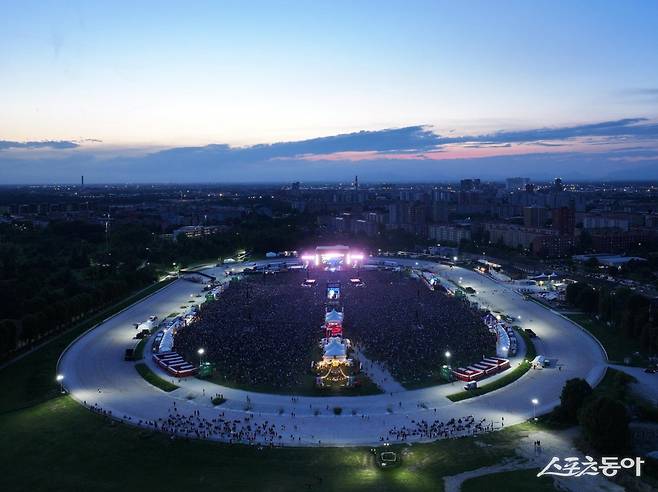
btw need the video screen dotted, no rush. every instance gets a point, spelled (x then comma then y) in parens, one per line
(333, 291)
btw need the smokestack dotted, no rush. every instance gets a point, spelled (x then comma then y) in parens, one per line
(82, 181)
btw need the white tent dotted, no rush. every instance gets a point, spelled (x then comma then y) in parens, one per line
(333, 316)
(335, 349)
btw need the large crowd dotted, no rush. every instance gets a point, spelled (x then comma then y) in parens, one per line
(249, 430)
(401, 323)
(421, 430)
(262, 330)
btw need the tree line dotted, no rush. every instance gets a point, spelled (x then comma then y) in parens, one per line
(52, 277)
(635, 315)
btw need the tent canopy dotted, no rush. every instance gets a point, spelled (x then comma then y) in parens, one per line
(335, 348)
(333, 316)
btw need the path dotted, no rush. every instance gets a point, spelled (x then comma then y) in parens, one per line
(378, 373)
(554, 443)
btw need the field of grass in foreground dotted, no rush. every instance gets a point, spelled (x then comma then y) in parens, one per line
(59, 445)
(513, 481)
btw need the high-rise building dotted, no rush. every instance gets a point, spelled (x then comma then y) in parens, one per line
(535, 216)
(469, 184)
(564, 220)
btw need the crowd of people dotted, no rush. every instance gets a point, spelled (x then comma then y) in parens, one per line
(399, 322)
(260, 332)
(421, 430)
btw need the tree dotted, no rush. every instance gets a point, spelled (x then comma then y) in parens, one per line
(574, 394)
(605, 425)
(29, 327)
(8, 336)
(592, 263)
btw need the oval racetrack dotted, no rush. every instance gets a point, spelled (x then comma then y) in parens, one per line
(96, 374)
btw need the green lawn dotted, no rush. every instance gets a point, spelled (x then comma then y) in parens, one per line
(32, 379)
(139, 349)
(62, 446)
(613, 340)
(153, 378)
(511, 376)
(514, 481)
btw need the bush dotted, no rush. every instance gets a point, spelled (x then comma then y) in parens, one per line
(605, 425)
(574, 394)
(338, 410)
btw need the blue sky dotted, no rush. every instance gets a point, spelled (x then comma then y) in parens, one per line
(115, 86)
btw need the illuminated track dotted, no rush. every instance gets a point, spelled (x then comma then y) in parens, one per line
(95, 372)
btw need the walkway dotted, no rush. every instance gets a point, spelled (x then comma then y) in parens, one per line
(378, 374)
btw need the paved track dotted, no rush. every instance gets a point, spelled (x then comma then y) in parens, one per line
(95, 373)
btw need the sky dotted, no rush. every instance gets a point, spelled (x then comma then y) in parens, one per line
(309, 90)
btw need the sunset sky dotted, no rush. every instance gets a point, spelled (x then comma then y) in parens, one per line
(267, 91)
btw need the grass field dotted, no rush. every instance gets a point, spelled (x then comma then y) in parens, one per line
(30, 379)
(153, 378)
(139, 349)
(514, 481)
(508, 378)
(62, 446)
(613, 340)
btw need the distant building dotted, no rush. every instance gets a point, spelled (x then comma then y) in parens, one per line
(195, 231)
(606, 221)
(564, 220)
(514, 184)
(449, 233)
(541, 241)
(535, 216)
(469, 184)
(616, 240)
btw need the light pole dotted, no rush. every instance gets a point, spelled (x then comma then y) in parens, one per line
(535, 402)
(200, 352)
(60, 379)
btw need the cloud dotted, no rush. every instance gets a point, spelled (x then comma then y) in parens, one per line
(628, 127)
(643, 93)
(409, 153)
(42, 144)
(407, 139)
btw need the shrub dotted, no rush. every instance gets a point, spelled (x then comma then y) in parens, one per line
(574, 394)
(605, 425)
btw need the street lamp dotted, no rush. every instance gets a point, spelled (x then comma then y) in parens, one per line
(448, 354)
(200, 352)
(535, 402)
(60, 379)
